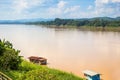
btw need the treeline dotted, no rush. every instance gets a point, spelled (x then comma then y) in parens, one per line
(97, 22)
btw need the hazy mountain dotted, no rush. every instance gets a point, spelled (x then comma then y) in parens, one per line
(22, 21)
(101, 18)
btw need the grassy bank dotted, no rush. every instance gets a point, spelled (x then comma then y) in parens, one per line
(30, 71)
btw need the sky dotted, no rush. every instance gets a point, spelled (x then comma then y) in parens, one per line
(29, 9)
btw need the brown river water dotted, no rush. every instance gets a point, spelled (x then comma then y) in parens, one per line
(70, 50)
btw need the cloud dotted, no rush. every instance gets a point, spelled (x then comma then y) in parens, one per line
(63, 10)
(100, 8)
(72, 9)
(61, 4)
(90, 7)
(107, 8)
(115, 0)
(101, 1)
(98, 2)
(21, 6)
(58, 8)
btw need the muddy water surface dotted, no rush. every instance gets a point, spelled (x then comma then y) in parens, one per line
(71, 50)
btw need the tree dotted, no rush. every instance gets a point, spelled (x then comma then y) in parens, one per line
(9, 57)
(58, 21)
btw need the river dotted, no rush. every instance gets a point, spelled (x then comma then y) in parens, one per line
(71, 50)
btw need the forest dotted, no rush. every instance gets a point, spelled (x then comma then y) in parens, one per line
(96, 22)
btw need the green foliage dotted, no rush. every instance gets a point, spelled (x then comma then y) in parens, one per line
(27, 66)
(30, 71)
(96, 22)
(39, 75)
(9, 57)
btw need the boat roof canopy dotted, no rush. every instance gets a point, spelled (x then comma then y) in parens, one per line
(90, 73)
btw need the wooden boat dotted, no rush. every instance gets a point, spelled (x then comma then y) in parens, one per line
(38, 60)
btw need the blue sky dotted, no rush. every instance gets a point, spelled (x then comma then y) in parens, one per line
(28, 9)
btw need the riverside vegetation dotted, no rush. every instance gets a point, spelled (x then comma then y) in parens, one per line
(17, 68)
(98, 23)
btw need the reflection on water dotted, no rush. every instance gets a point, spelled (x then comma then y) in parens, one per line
(71, 50)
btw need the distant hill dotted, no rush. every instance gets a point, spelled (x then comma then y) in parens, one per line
(107, 18)
(100, 18)
(23, 21)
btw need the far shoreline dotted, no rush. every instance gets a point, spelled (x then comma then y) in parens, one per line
(85, 28)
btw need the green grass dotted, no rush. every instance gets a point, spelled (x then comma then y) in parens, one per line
(30, 71)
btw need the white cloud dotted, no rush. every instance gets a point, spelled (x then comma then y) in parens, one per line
(63, 10)
(90, 7)
(20, 6)
(72, 9)
(58, 9)
(98, 2)
(115, 0)
(101, 8)
(107, 7)
(61, 4)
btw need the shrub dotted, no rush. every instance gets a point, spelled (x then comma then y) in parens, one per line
(9, 57)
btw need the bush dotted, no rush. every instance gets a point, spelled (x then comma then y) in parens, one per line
(9, 57)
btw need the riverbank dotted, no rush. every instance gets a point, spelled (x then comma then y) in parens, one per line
(30, 71)
(87, 28)
(15, 67)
